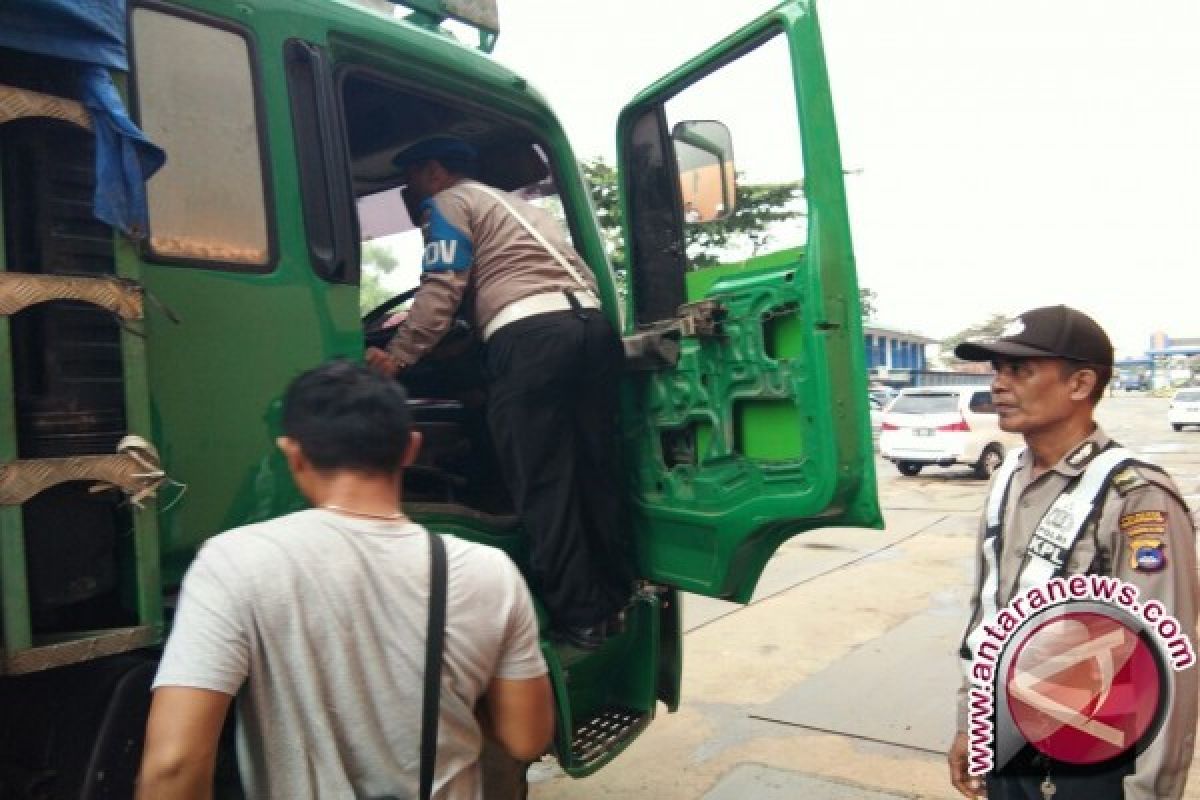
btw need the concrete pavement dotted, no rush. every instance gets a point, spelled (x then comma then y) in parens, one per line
(837, 681)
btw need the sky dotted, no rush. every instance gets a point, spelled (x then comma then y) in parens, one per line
(1005, 155)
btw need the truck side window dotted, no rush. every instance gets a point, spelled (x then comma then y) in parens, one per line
(715, 180)
(196, 99)
(754, 98)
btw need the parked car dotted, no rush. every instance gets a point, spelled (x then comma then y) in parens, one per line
(943, 426)
(1184, 408)
(876, 417)
(882, 394)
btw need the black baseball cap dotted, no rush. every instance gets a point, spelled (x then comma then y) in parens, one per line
(436, 147)
(1050, 332)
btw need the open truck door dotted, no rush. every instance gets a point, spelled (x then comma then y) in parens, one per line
(747, 417)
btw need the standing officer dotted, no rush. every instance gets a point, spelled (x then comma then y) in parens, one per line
(553, 363)
(1052, 366)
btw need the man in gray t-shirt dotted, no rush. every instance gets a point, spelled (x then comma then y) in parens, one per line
(316, 622)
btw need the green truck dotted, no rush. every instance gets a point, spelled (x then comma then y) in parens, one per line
(145, 353)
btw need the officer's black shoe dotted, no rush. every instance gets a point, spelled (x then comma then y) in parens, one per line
(585, 637)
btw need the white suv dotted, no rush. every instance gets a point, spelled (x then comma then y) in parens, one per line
(1184, 409)
(944, 426)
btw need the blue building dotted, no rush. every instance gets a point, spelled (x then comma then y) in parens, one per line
(1176, 361)
(893, 349)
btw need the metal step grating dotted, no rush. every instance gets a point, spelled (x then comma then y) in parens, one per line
(596, 736)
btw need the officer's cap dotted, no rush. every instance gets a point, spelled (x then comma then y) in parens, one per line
(1050, 332)
(440, 148)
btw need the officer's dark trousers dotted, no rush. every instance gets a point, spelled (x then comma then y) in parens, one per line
(1022, 779)
(552, 409)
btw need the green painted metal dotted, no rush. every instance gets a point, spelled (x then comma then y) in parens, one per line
(242, 337)
(14, 585)
(622, 674)
(700, 282)
(783, 388)
(146, 565)
(786, 446)
(17, 632)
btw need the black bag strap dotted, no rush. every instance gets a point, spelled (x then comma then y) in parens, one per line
(435, 633)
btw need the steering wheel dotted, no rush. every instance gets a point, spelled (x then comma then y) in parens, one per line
(456, 341)
(372, 321)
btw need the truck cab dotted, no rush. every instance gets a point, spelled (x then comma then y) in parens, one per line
(148, 341)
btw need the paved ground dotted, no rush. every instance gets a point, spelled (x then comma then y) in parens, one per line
(838, 680)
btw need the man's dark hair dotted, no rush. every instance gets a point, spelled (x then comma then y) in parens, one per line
(1103, 376)
(344, 416)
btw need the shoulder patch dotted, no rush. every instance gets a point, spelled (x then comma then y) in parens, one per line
(1147, 554)
(446, 247)
(1128, 479)
(1143, 523)
(1083, 454)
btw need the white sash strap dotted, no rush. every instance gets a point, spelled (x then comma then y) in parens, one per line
(1000, 486)
(532, 231)
(990, 550)
(1056, 534)
(1052, 540)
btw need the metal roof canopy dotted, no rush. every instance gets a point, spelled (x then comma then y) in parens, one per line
(879, 329)
(1175, 350)
(482, 15)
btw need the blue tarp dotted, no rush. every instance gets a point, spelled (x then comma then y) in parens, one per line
(92, 32)
(125, 158)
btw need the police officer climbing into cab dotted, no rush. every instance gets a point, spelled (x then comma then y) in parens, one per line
(553, 363)
(1072, 501)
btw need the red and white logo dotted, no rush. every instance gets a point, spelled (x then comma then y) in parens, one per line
(1084, 687)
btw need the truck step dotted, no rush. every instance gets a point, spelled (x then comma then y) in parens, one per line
(598, 736)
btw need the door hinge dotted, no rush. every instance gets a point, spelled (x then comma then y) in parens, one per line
(702, 318)
(657, 345)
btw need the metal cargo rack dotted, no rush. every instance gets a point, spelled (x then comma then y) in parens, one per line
(133, 469)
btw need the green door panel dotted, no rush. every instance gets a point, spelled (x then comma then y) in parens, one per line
(223, 340)
(760, 430)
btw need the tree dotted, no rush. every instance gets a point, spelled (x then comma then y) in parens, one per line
(377, 261)
(602, 179)
(758, 207)
(990, 328)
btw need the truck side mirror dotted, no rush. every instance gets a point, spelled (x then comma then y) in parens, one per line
(707, 179)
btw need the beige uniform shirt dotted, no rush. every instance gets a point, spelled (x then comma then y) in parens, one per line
(480, 257)
(1107, 547)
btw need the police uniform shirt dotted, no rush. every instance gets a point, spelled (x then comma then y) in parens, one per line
(1143, 535)
(477, 251)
